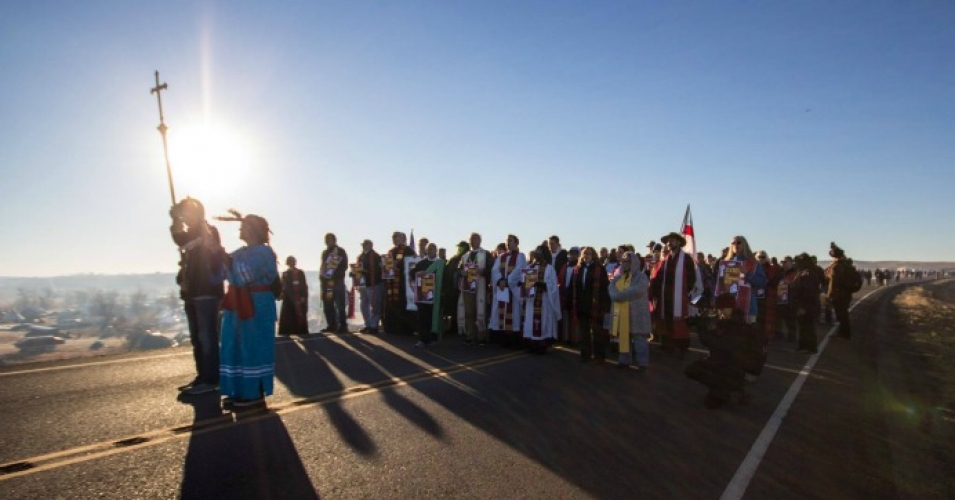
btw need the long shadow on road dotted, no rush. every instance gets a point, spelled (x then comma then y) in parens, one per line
(255, 460)
(305, 372)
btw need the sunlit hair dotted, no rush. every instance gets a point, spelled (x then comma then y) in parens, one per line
(742, 249)
(257, 226)
(192, 205)
(583, 252)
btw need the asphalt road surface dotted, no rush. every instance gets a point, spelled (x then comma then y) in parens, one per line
(359, 416)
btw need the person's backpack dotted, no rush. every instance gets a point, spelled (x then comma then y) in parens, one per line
(855, 280)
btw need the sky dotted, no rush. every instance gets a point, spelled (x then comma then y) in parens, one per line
(791, 123)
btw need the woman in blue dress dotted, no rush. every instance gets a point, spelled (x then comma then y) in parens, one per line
(247, 354)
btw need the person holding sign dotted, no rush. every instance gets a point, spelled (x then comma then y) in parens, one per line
(332, 278)
(398, 319)
(670, 288)
(429, 276)
(505, 308)
(749, 274)
(542, 307)
(475, 270)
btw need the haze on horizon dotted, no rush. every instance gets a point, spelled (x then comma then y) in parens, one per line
(794, 125)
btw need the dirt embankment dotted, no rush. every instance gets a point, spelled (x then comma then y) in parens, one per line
(918, 373)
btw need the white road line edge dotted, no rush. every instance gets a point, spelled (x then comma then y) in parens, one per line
(747, 469)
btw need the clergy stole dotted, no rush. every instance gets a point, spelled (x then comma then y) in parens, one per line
(437, 267)
(596, 312)
(679, 295)
(621, 315)
(480, 295)
(505, 312)
(536, 321)
(393, 287)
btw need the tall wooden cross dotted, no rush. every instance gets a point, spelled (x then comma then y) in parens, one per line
(162, 130)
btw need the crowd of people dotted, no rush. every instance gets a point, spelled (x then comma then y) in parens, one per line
(604, 302)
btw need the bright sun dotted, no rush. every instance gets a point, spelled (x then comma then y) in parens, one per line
(208, 161)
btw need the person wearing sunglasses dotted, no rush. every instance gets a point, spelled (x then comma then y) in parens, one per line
(752, 272)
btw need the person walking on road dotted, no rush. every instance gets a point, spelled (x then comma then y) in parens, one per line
(839, 274)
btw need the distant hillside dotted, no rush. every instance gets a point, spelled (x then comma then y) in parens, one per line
(152, 284)
(897, 264)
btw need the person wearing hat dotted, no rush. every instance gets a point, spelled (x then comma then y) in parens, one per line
(200, 287)
(293, 320)
(371, 288)
(840, 287)
(398, 319)
(670, 288)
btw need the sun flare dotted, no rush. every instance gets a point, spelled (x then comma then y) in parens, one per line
(208, 160)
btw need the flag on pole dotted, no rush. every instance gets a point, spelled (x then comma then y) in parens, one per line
(687, 231)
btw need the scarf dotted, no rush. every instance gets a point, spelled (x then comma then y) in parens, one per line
(437, 267)
(504, 311)
(679, 285)
(394, 286)
(621, 314)
(239, 299)
(537, 321)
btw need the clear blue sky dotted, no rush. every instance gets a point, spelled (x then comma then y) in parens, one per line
(792, 123)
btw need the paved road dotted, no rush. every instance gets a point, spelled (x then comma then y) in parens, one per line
(370, 416)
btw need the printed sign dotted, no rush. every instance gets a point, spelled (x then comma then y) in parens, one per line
(729, 277)
(529, 290)
(388, 267)
(331, 264)
(425, 285)
(470, 282)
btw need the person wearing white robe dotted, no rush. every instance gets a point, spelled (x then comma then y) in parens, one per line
(472, 304)
(545, 333)
(506, 293)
